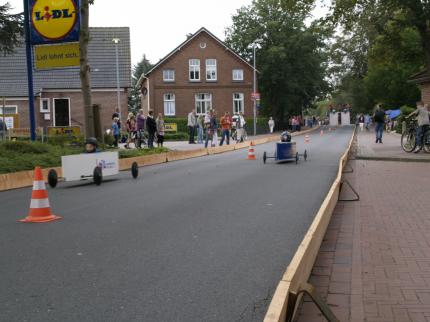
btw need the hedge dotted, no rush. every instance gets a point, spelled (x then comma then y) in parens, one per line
(262, 126)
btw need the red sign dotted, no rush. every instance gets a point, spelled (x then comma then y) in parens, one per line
(255, 96)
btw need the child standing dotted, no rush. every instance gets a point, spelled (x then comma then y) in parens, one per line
(115, 131)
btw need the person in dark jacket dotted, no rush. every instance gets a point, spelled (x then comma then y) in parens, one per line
(151, 127)
(379, 119)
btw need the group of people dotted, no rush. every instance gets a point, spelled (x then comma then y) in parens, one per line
(295, 123)
(136, 126)
(207, 127)
(422, 114)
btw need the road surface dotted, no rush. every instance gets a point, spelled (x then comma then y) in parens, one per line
(205, 239)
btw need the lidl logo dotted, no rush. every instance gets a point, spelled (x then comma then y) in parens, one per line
(54, 20)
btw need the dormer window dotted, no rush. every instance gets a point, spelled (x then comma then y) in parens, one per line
(169, 75)
(237, 74)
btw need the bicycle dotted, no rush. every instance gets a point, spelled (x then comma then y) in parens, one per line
(408, 139)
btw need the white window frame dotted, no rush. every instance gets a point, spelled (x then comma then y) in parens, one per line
(6, 107)
(193, 68)
(235, 74)
(241, 101)
(48, 109)
(211, 70)
(168, 72)
(53, 110)
(169, 104)
(203, 105)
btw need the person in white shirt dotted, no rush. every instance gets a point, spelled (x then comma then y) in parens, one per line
(271, 124)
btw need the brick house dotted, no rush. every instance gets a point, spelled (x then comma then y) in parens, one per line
(58, 96)
(201, 73)
(423, 81)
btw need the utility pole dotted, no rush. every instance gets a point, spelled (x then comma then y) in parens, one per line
(255, 91)
(116, 41)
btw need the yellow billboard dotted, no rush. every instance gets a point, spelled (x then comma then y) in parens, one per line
(56, 56)
(64, 130)
(170, 127)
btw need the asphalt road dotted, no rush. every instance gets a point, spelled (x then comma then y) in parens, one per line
(205, 239)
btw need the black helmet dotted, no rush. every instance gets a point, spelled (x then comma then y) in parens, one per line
(285, 137)
(91, 140)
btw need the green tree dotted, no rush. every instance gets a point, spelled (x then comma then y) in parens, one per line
(290, 56)
(11, 29)
(143, 66)
(413, 13)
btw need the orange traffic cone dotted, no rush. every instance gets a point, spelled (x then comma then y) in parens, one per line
(40, 210)
(251, 152)
(322, 133)
(307, 139)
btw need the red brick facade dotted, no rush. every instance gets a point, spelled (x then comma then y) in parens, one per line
(202, 46)
(107, 99)
(425, 92)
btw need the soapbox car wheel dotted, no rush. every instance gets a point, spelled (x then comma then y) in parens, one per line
(134, 170)
(305, 156)
(297, 157)
(97, 176)
(264, 157)
(52, 178)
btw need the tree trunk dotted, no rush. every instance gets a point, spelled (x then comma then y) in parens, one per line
(85, 69)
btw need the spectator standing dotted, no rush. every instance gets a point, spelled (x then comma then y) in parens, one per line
(200, 128)
(367, 121)
(116, 115)
(361, 122)
(214, 125)
(140, 127)
(271, 124)
(192, 123)
(209, 127)
(160, 130)
(151, 127)
(423, 115)
(225, 121)
(243, 124)
(131, 129)
(379, 118)
(115, 131)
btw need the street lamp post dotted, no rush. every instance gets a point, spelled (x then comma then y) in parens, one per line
(255, 90)
(116, 41)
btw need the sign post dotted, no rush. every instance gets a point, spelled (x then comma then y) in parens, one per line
(29, 72)
(48, 22)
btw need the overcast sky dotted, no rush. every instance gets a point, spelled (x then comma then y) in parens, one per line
(159, 26)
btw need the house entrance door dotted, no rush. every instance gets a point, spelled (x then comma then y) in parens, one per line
(61, 112)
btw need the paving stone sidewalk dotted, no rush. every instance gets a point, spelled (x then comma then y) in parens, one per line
(389, 150)
(374, 263)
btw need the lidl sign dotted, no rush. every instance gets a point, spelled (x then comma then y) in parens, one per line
(54, 21)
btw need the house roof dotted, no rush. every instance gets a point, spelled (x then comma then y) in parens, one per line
(420, 78)
(102, 59)
(188, 40)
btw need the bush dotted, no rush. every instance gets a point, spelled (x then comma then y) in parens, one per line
(24, 147)
(180, 136)
(140, 152)
(66, 140)
(262, 126)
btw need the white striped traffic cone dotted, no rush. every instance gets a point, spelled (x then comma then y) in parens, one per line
(307, 139)
(40, 210)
